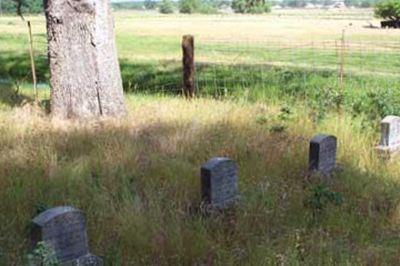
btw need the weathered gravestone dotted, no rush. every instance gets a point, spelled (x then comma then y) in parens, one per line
(63, 229)
(322, 157)
(219, 186)
(390, 135)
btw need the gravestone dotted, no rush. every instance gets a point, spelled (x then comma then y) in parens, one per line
(390, 135)
(219, 186)
(322, 157)
(63, 229)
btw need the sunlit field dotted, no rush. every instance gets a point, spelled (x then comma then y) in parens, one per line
(291, 54)
(266, 85)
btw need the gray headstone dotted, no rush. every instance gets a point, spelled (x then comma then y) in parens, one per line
(390, 133)
(219, 186)
(322, 157)
(63, 229)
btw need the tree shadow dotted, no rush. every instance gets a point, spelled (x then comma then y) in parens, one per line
(165, 76)
(152, 173)
(11, 95)
(16, 67)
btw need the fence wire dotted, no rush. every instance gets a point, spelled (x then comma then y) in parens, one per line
(226, 66)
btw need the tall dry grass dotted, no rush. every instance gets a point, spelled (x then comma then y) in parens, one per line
(137, 180)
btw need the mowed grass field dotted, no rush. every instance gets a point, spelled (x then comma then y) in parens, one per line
(137, 179)
(291, 54)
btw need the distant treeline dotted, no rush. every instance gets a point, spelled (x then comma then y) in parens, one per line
(169, 6)
(193, 6)
(239, 6)
(28, 6)
(303, 3)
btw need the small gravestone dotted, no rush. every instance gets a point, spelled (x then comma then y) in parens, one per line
(390, 135)
(322, 157)
(63, 229)
(219, 186)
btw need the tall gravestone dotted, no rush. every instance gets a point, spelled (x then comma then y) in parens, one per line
(322, 157)
(390, 135)
(219, 186)
(63, 229)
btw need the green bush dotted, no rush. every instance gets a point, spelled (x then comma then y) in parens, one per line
(239, 6)
(188, 6)
(388, 9)
(320, 197)
(209, 7)
(31, 6)
(251, 6)
(196, 6)
(150, 4)
(166, 7)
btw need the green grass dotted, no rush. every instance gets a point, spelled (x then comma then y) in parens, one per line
(138, 183)
(152, 65)
(137, 180)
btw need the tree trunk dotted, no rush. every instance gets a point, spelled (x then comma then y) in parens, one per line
(85, 76)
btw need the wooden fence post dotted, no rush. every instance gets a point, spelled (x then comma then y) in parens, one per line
(188, 66)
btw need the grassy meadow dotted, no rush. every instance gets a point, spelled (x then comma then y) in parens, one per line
(266, 85)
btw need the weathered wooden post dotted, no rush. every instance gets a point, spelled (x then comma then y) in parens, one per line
(32, 56)
(188, 66)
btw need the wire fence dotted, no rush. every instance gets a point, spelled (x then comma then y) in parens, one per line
(224, 67)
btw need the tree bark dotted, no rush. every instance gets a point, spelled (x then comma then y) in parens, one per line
(85, 76)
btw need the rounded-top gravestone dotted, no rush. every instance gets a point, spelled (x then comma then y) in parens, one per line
(63, 229)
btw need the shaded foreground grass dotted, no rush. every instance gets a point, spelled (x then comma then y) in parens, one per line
(137, 180)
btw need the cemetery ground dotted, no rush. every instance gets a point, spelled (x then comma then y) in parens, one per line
(138, 183)
(137, 180)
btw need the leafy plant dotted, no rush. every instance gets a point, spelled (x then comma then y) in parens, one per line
(321, 196)
(41, 207)
(44, 254)
(285, 113)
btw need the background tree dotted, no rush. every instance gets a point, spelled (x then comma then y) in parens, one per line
(85, 78)
(24, 6)
(294, 3)
(188, 6)
(388, 9)
(251, 6)
(166, 7)
(150, 4)
(199, 6)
